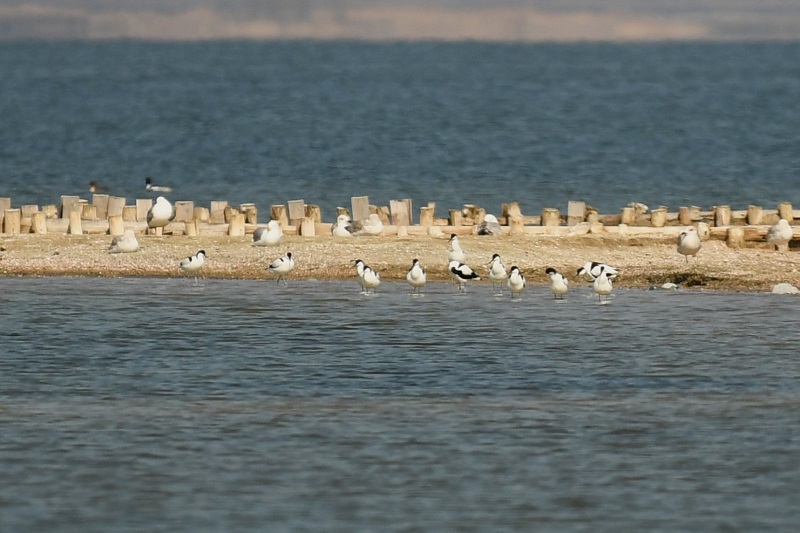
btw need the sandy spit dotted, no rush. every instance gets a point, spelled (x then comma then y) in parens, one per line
(644, 261)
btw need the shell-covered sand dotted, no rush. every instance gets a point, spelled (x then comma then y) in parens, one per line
(644, 261)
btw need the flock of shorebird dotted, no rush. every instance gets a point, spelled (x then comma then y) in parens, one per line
(600, 274)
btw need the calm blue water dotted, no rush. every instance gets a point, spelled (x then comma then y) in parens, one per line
(157, 405)
(674, 124)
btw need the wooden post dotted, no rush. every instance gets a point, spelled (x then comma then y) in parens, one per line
(50, 211)
(576, 212)
(628, 216)
(360, 207)
(314, 212)
(382, 212)
(5, 204)
(785, 211)
(217, 212)
(658, 217)
(703, 231)
(201, 214)
(236, 225)
(39, 223)
(426, 214)
(297, 212)
(12, 221)
(685, 216)
(735, 236)
(75, 227)
(101, 202)
(192, 228)
(516, 225)
(89, 212)
(401, 212)
(307, 228)
(68, 203)
(278, 212)
(250, 213)
(115, 205)
(722, 215)
(592, 217)
(551, 217)
(115, 225)
(143, 205)
(28, 210)
(455, 217)
(511, 209)
(229, 212)
(129, 213)
(755, 214)
(184, 211)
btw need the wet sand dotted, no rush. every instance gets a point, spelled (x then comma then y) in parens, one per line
(644, 261)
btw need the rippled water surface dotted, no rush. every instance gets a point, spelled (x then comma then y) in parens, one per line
(158, 405)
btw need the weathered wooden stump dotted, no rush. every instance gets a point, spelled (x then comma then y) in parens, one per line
(551, 217)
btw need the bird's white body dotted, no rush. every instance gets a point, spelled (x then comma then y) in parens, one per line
(416, 276)
(456, 253)
(282, 266)
(126, 243)
(497, 271)
(160, 214)
(367, 278)
(689, 243)
(370, 226)
(461, 273)
(602, 285)
(343, 227)
(780, 234)
(148, 185)
(559, 285)
(489, 226)
(592, 270)
(268, 236)
(516, 281)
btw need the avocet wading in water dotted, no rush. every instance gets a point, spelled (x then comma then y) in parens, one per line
(592, 269)
(367, 278)
(193, 263)
(559, 285)
(461, 273)
(282, 266)
(516, 282)
(497, 272)
(416, 276)
(689, 243)
(602, 285)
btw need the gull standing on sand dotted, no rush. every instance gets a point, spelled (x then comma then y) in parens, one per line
(592, 270)
(780, 234)
(282, 266)
(497, 272)
(689, 243)
(416, 276)
(160, 214)
(268, 236)
(461, 273)
(489, 226)
(516, 281)
(559, 285)
(602, 285)
(371, 225)
(194, 263)
(456, 253)
(148, 185)
(343, 227)
(367, 278)
(125, 243)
